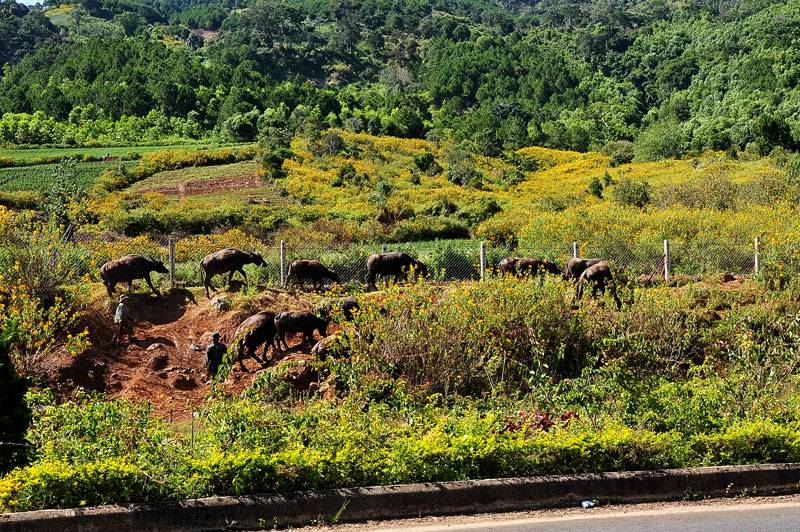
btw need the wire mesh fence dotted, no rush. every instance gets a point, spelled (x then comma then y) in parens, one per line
(447, 260)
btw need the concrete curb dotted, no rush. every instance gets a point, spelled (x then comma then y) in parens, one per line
(411, 500)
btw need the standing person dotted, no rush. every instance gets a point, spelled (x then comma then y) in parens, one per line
(214, 353)
(122, 318)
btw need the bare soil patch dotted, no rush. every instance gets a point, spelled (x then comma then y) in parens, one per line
(162, 364)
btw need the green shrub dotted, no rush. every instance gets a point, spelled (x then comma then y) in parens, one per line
(620, 152)
(422, 228)
(595, 187)
(631, 193)
(462, 174)
(662, 140)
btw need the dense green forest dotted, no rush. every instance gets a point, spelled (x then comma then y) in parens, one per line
(495, 75)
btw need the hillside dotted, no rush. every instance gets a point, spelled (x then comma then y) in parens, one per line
(494, 77)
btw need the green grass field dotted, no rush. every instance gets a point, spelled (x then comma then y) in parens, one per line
(27, 154)
(39, 177)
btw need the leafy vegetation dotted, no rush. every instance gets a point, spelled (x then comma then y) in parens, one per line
(447, 386)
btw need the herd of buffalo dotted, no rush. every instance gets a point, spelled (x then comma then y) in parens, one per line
(270, 329)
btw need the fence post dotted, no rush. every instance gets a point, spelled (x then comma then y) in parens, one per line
(171, 261)
(575, 250)
(483, 261)
(383, 248)
(283, 262)
(757, 245)
(666, 260)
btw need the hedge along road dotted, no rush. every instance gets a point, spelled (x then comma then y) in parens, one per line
(412, 500)
(721, 515)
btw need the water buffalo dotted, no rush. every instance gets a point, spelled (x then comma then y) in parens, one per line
(256, 330)
(229, 260)
(330, 346)
(576, 266)
(348, 305)
(303, 321)
(397, 264)
(599, 275)
(527, 265)
(129, 268)
(310, 270)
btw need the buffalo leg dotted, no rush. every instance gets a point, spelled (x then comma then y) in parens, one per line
(150, 284)
(110, 288)
(208, 285)
(282, 339)
(241, 270)
(242, 352)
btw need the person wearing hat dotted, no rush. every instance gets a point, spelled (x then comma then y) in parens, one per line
(122, 318)
(214, 353)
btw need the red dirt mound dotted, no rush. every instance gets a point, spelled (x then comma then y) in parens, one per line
(163, 364)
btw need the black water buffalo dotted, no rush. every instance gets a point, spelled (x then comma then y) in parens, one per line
(259, 329)
(303, 321)
(310, 270)
(599, 275)
(397, 264)
(576, 266)
(330, 346)
(229, 260)
(129, 268)
(348, 305)
(527, 266)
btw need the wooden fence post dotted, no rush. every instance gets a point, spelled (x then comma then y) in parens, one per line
(757, 245)
(171, 261)
(575, 250)
(283, 262)
(483, 261)
(667, 260)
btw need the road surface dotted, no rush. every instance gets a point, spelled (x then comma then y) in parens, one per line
(767, 514)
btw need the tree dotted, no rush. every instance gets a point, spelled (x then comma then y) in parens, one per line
(380, 197)
(662, 140)
(274, 149)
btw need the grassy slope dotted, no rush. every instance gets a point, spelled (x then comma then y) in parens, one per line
(560, 173)
(310, 179)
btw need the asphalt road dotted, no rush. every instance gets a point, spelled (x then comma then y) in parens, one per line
(778, 518)
(767, 515)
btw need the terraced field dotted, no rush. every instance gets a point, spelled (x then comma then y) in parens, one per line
(39, 177)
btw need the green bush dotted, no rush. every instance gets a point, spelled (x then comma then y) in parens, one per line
(421, 228)
(620, 152)
(595, 187)
(631, 193)
(662, 140)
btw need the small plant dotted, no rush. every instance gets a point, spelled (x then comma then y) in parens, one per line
(595, 187)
